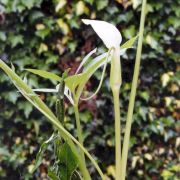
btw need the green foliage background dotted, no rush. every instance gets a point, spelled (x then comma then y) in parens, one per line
(49, 35)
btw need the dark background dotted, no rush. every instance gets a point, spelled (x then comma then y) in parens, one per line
(49, 35)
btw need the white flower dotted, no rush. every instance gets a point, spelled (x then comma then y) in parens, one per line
(109, 34)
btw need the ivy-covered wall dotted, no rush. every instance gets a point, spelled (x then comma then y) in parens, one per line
(49, 35)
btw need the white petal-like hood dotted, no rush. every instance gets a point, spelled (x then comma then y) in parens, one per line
(106, 31)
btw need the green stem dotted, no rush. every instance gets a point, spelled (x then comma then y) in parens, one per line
(80, 137)
(117, 133)
(115, 83)
(133, 94)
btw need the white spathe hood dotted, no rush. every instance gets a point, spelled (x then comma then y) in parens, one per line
(108, 33)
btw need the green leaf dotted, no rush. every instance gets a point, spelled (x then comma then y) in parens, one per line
(29, 4)
(43, 147)
(68, 161)
(95, 64)
(73, 81)
(80, 80)
(42, 33)
(4, 151)
(85, 59)
(12, 96)
(15, 40)
(34, 15)
(101, 4)
(89, 71)
(129, 32)
(152, 41)
(45, 74)
(129, 43)
(52, 175)
(26, 107)
(2, 36)
(108, 58)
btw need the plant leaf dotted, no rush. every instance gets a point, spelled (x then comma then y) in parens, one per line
(102, 76)
(86, 58)
(67, 92)
(73, 81)
(45, 90)
(45, 74)
(89, 71)
(43, 147)
(52, 175)
(96, 62)
(68, 161)
(129, 43)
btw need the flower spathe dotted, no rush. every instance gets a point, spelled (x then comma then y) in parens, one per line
(108, 33)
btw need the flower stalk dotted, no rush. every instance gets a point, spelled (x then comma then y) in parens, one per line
(133, 93)
(115, 83)
(81, 141)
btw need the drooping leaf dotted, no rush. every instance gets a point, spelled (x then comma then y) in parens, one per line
(43, 147)
(102, 76)
(45, 74)
(89, 71)
(86, 58)
(79, 80)
(95, 63)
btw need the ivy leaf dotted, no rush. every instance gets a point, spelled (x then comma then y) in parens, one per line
(42, 48)
(15, 40)
(63, 26)
(34, 15)
(101, 4)
(26, 107)
(60, 5)
(45, 74)
(42, 33)
(4, 152)
(2, 36)
(29, 4)
(12, 96)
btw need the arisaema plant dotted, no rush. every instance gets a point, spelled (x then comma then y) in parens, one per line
(69, 152)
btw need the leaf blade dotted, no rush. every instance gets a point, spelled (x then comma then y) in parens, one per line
(45, 74)
(129, 43)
